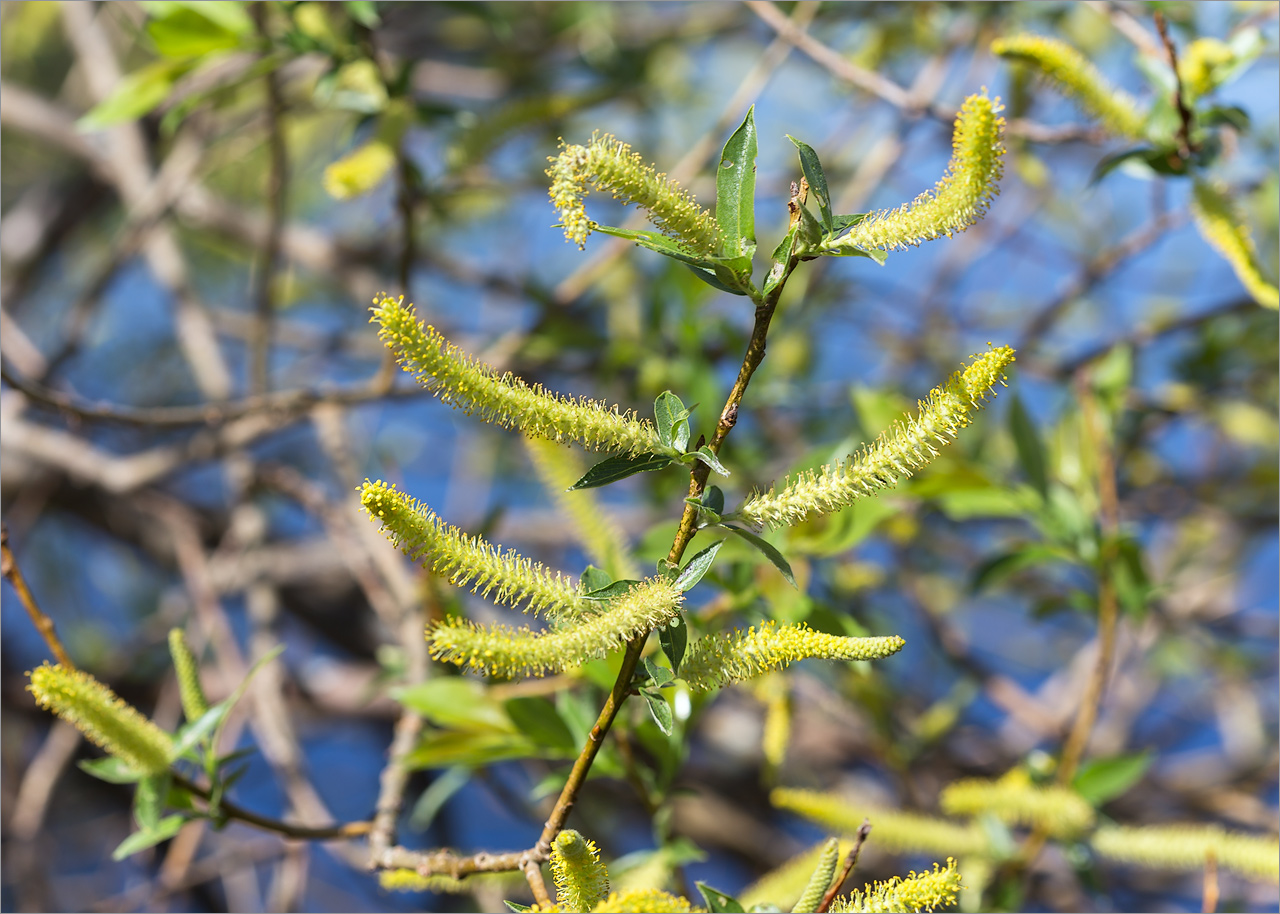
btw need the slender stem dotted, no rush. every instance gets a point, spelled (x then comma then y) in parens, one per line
(533, 875)
(287, 829)
(264, 303)
(1209, 899)
(850, 862)
(43, 624)
(1179, 97)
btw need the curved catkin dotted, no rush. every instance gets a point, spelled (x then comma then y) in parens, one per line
(608, 164)
(927, 891)
(816, 888)
(958, 201)
(1076, 78)
(503, 577)
(1186, 847)
(467, 384)
(194, 704)
(1223, 227)
(581, 879)
(499, 650)
(102, 717)
(907, 446)
(1057, 811)
(718, 660)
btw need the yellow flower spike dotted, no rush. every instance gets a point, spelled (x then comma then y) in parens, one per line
(927, 891)
(1185, 847)
(774, 691)
(1060, 812)
(1076, 78)
(194, 704)
(718, 660)
(1223, 227)
(470, 385)
(502, 651)
(646, 901)
(581, 879)
(909, 445)
(503, 577)
(891, 830)
(821, 878)
(405, 880)
(958, 201)
(608, 164)
(102, 717)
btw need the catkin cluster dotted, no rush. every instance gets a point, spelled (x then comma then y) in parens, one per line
(1058, 811)
(581, 879)
(927, 891)
(894, 831)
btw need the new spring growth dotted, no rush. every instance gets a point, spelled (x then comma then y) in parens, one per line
(503, 577)
(1223, 227)
(718, 660)
(811, 897)
(1057, 811)
(1186, 847)
(499, 650)
(1076, 78)
(909, 445)
(894, 831)
(608, 164)
(102, 717)
(927, 891)
(581, 879)
(194, 704)
(468, 384)
(958, 200)
(779, 886)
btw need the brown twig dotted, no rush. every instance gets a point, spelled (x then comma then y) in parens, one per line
(1209, 902)
(285, 829)
(1185, 147)
(44, 625)
(834, 889)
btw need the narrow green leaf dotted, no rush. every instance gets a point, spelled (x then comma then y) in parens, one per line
(518, 908)
(593, 579)
(697, 566)
(444, 786)
(1105, 779)
(769, 551)
(456, 703)
(473, 749)
(664, 409)
(186, 32)
(537, 719)
(110, 769)
(999, 567)
(364, 12)
(718, 902)
(610, 591)
(708, 275)
(708, 456)
(193, 733)
(611, 469)
(234, 698)
(135, 95)
(660, 710)
(817, 179)
(840, 223)
(165, 829)
(1026, 437)
(148, 800)
(660, 675)
(674, 638)
(736, 189)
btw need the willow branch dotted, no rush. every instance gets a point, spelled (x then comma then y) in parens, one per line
(285, 829)
(277, 179)
(44, 625)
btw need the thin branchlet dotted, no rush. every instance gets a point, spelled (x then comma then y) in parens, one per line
(468, 384)
(502, 651)
(1221, 224)
(503, 577)
(1076, 78)
(718, 660)
(908, 446)
(581, 879)
(927, 891)
(609, 164)
(105, 719)
(958, 200)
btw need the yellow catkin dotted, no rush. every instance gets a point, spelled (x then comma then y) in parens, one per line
(1059, 811)
(718, 660)
(958, 201)
(194, 704)
(102, 717)
(404, 880)
(774, 691)
(604, 543)
(360, 171)
(1076, 78)
(581, 879)
(891, 830)
(503, 577)
(1186, 847)
(1221, 224)
(927, 891)
(470, 385)
(498, 650)
(818, 883)
(608, 164)
(909, 445)
(653, 901)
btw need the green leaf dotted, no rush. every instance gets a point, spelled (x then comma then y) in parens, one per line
(660, 675)
(364, 12)
(135, 95)
(1218, 115)
(998, 568)
(230, 16)
(674, 638)
(187, 32)
(660, 710)
(711, 278)
(1026, 437)
(610, 591)
(770, 552)
(672, 420)
(817, 179)
(708, 456)
(718, 901)
(234, 698)
(611, 469)
(193, 733)
(148, 800)
(473, 749)
(110, 769)
(456, 703)
(696, 567)
(847, 221)
(165, 829)
(432, 800)
(538, 719)
(736, 189)
(1100, 780)
(518, 908)
(708, 516)
(713, 499)
(593, 578)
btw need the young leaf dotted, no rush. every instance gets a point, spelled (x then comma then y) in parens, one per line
(664, 409)
(610, 591)
(661, 711)
(736, 189)
(817, 179)
(708, 456)
(518, 908)
(718, 902)
(1100, 780)
(148, 800)
(193, 733)
(593, 578)
(660, 675)
(674, 638)
(1030, 450)
(165, 829)
(696, 567)
(772, 554)
(110, 769)
(713, 499)
(611, 469)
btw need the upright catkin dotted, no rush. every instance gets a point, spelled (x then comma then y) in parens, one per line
(581, 879)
